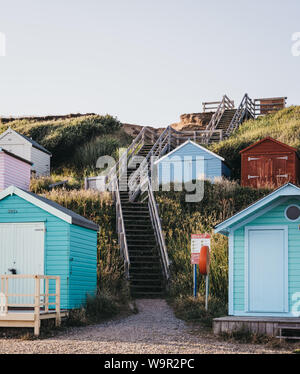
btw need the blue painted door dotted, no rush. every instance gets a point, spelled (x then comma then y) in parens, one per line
(267, 264)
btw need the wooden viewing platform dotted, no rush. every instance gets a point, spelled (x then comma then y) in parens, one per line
(271, 326)
(40, 306)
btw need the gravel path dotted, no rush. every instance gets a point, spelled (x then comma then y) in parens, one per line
(154, 329)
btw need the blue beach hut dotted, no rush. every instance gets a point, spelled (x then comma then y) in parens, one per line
(188, 162)
(40, 237)
(264, 256)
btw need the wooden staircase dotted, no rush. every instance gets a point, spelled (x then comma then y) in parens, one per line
(223, 124)
(145, 273)
(226, 119)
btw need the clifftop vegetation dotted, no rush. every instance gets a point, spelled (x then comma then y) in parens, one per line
(75, 142)
(283, 126)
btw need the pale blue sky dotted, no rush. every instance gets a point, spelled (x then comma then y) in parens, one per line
(144, 61)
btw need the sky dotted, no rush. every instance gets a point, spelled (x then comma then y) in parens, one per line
(144, 61)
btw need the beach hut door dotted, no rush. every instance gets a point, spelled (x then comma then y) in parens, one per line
(266, 271)
(22, 252)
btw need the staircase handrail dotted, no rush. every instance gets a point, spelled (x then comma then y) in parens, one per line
(158, 230)
(160, 147)
(121, 228)
(246, 107)
(136, 144)
(200, 136)
(225, 103)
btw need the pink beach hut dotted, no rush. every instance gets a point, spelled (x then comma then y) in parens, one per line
(14, 170)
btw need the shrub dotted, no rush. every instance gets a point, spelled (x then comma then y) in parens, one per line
(193, 309)
(87, 155)
(63, 136)
(101, 306)
(42, 184)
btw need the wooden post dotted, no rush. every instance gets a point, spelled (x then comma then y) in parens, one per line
(6, 297)
(195, 280)
(47, 295)
(37, 306)
(206, 291)
(57, 302)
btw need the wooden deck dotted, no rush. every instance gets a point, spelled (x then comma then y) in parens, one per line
(28, 318)
(39, 307)
(258, 325)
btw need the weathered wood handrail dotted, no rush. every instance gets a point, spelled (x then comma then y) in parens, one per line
(160, 147)
(272, 104)
(37, 296)
(226, 103)
(4, 286)
(246, 108)
(137, 143)
(158, 230)
(121, 228)
(210, 106)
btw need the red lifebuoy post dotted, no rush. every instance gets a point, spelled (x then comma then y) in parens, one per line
(200, 255)
(204, 260)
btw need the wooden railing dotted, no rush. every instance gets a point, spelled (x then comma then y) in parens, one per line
(200, 136)
(39, 301)
(212, 106)
(268, 105)
(146, 135)
(245, 109)
(158, 230)
(121, 228)
(138, 179)
(226, 103)
(36, 296)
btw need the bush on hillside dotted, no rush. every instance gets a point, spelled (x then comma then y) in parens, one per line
(63, 136)
(193, 309)
(86, 156)
(42, 184)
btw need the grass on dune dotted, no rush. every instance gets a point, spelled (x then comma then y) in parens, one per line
(283, 125)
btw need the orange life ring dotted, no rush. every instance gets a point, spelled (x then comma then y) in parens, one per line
(204, 260)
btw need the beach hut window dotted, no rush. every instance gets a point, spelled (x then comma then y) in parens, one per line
(292, 212)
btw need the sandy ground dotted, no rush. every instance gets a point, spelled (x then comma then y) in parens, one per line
(154, 330)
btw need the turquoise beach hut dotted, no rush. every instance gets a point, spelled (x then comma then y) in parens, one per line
(40, 237)
(264, 256)
(190, 161)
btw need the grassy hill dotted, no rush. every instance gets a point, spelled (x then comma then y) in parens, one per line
(77, 142)
(283, 126)
(74, 141)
